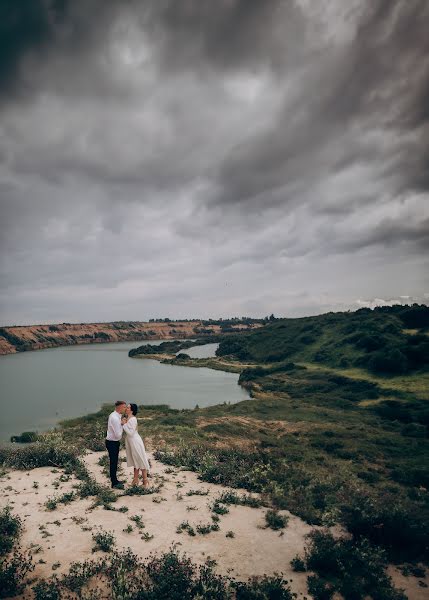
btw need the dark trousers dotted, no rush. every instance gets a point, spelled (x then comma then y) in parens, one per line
(113, 450)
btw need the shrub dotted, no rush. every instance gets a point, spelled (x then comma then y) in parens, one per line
(103, 540)
(50, 449)
(297, 564)
(10, 530)
(275, 520)
(14, 568)
(353, 568)
(264, 588)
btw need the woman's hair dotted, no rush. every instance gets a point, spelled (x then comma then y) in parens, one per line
(133, 409)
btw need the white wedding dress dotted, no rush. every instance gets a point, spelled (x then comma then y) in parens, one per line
(134, 446)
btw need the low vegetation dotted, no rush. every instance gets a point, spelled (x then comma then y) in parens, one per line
(169, 576)
(15, 564)
(327, 435)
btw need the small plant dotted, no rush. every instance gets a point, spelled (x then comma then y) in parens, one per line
(197, 493)
(230, 534)
(104, 541)
(205, 529)
(56, 566)
(51, 503)
(123, 509)
(185, 526)
(78, 520)
(179, 496)
(297, 564)
(147, 537)
(138, 521)
(36, 485)
(128, 529)
(190, 507)
(218, 508)
(275, 521)
(159, 499)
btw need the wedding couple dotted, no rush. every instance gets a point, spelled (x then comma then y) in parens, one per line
(123, 419)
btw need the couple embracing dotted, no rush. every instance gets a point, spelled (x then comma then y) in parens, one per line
(123, 420)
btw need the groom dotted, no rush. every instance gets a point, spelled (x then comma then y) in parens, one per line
(113, 440)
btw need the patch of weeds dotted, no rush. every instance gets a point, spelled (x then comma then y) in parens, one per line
(353, 568)
(297, 564)
(139, 490)
(103, 540)
(218, 508)
(35, 548)
(241, 500)
(36, 485)
(191, 507)
(185, 526)
(78, 520)
(205, 529)
(147, 537)
(128, 529)
(137, 519)
(56, 566)
(197, 493)
(14, 564)
(52, 503)
(10, 530)
(414, 570)
(159, 499)
(179, 496)
(230, 534)
(263, 588)
(123, 509)
(275, 521)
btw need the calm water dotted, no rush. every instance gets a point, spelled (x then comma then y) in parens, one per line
(37, 389)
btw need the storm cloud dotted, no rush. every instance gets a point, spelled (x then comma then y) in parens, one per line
(201, 158)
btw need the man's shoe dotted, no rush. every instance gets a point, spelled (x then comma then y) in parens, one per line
(118, 486)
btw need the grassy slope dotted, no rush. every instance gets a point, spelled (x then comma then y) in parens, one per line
(331, 444)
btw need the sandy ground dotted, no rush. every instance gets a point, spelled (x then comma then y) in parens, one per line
(66, 534)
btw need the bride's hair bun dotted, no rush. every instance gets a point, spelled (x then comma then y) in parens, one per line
(134, 409)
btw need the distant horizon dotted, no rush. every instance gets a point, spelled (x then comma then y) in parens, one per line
(217, 318)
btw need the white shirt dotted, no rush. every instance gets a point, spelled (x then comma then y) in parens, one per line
(114, 427)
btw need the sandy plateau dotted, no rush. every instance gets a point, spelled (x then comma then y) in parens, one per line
(64, 535)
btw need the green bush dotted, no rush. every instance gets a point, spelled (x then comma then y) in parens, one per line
(10, 530)
(14, 564)
(14, 568)
(275, 521)
(103, 540)
(49, 450)
(354, 568)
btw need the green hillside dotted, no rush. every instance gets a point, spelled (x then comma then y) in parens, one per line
(386, 340)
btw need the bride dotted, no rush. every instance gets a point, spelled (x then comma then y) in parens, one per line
(136, 453)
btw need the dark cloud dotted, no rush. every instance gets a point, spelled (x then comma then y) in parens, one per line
(244, 156)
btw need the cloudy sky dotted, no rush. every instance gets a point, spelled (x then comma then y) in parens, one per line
(212, 158)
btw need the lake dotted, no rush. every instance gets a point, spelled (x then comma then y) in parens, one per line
(40, 388)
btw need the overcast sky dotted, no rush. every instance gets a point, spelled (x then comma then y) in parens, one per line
(212, 158)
